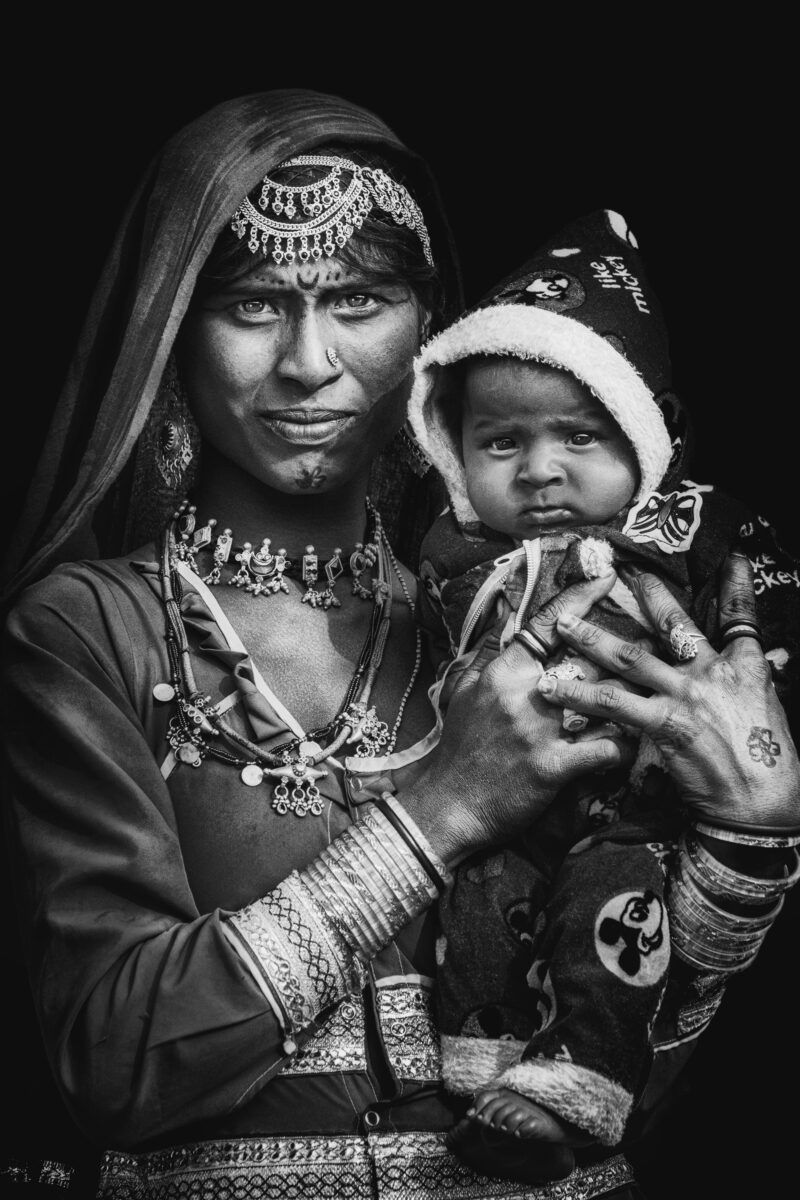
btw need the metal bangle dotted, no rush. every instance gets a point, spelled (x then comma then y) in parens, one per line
(769, 839)
(722, 881)
(720, 920)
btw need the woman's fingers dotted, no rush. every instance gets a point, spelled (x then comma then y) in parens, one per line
(679, 635)
(737, 603)
(578, 598)
(628, 660)
(608, 702)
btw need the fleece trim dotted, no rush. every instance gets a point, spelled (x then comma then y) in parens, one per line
(579, 1095)
(470, 1063)
(524, 332)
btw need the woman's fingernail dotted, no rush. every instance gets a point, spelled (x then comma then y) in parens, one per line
(567, 620)
(546, 685)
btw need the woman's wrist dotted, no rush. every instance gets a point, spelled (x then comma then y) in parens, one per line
(307, 941)
(719, 913)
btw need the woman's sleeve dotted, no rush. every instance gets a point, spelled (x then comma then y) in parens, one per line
(150, 1016)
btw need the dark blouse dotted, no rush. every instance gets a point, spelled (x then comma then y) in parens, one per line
(127, 861)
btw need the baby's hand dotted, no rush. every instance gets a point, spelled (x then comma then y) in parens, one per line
(509, 1112)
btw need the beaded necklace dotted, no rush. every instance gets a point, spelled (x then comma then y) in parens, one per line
(198, 731)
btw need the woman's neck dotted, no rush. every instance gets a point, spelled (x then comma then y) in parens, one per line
(254, 511)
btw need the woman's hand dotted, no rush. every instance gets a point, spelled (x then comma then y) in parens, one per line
(716, 718)
(503, 753)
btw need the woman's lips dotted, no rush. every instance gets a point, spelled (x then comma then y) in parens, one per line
(304, 427)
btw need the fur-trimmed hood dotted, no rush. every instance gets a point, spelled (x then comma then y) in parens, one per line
(581, 303)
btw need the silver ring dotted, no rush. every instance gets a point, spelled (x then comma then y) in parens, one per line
(683, 644)
(533, 644)
(332, 357)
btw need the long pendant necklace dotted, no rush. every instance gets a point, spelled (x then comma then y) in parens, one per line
(198, 730)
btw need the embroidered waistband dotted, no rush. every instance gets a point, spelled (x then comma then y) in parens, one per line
(387, 1166)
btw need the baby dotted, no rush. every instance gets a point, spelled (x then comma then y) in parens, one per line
(548, 411)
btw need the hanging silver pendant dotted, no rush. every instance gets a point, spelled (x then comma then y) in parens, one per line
(267, 570)
(296, 791)
(362, 559)
(371, 734)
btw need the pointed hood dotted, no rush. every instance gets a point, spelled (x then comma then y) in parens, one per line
(582, 303)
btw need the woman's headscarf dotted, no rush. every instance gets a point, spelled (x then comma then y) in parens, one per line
(78, 500)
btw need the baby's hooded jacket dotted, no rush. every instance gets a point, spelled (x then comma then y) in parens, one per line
(583, 303)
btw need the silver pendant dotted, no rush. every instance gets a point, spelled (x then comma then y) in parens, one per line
(297, 791)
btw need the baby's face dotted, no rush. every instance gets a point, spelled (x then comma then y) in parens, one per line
(540, 451)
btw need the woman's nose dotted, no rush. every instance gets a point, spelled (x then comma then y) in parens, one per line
(541, 466)
(307, 357)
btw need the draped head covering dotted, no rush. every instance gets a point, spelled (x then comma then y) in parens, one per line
(77, 503)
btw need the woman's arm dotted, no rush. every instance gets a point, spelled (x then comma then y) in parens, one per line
(155, 1015)
(725, 739)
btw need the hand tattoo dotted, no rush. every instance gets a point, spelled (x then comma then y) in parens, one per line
(761, 746)
(311, 479)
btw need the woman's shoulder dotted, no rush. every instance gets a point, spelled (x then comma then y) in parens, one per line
(86, 592)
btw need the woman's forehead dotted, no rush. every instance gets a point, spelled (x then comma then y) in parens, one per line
(324, 275)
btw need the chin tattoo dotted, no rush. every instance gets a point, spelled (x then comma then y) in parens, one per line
(308, 478)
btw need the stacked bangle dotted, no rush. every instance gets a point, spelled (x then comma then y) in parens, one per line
(762, 837)
(726, 884)
(416, 841)
(307, 941)
(704, 933)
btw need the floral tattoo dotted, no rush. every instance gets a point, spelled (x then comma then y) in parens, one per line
(311, 479)
(762, 747)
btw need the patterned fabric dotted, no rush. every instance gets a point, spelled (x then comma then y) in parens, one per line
(409, 1033)
(337, 1046)
(295, 951)
(410, 1166)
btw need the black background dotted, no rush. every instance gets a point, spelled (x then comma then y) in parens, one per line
(684, 137)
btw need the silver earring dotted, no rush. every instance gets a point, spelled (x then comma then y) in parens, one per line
(173, 443)
(333, 357)
(410, 451)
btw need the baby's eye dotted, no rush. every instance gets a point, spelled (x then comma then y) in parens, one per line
(582, 439)
(503, 443)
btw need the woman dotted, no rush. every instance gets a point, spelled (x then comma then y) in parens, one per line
(221, 956)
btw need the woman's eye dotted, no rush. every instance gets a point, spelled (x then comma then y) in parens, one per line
(358, 302)
(582, 439)
(503, 443)
(256, 308)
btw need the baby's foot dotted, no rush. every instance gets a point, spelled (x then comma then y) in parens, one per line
(509, 1112)
(498, 1136)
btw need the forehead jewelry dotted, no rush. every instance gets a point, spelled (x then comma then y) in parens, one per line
(333, 357)
(330, 212)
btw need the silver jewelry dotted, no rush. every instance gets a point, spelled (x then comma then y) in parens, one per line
(719, 880)
(333, 357)
(766, 840)
(173, 447)
(684, 644)
(332, 211)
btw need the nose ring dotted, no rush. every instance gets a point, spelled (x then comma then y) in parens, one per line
(333, 357)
